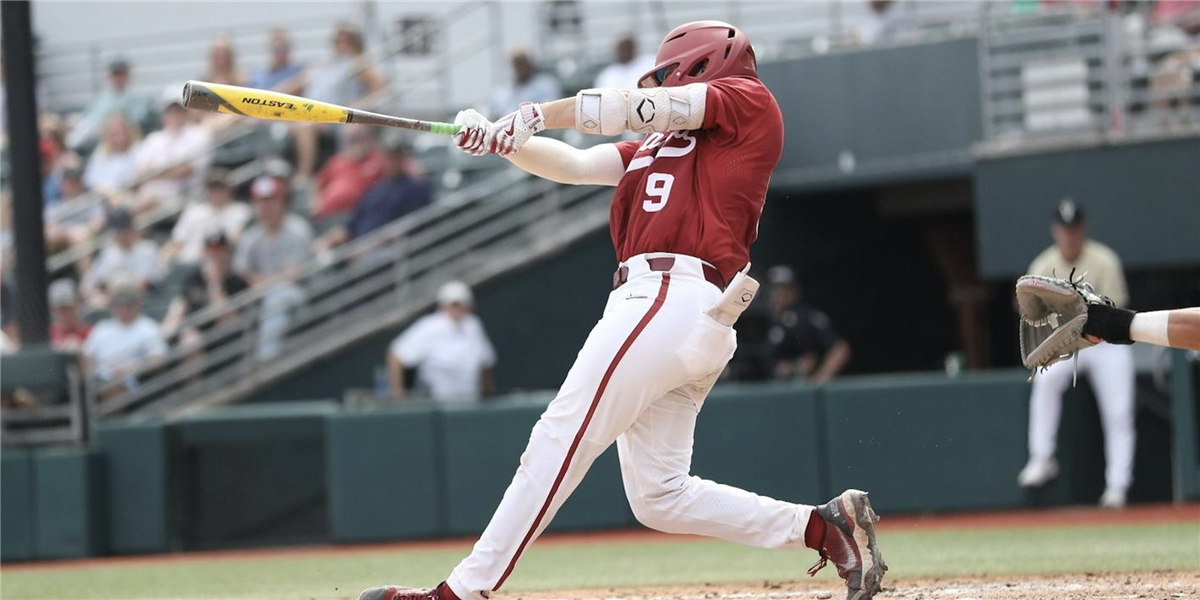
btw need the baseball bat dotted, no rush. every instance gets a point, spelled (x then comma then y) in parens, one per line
(264, 104)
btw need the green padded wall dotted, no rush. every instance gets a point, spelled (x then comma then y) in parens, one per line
(928, 442)
(383, 478)
(251, 475)
(135, 460)
(68, 486)
(762, 438)
(481, 449)
(17, 508)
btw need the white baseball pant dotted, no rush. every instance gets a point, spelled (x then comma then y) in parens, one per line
(640, 380)
(1109, 368)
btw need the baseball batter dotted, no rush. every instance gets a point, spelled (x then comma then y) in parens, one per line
(685, 211)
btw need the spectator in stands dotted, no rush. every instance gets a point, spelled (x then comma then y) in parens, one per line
(1108, 366)
(270, 255)
(449, 349)
(77, 216)
(118, 98)
(56, 157)
(71, 187)
(173, 160)
(1172, 77)
(627, 68)
(125, 255)
(119, 347)
(112, 168)
(347, 79)
(348, 174)
(804, 344)
(68, 331)
(400, 192)
(282, 74)
(210, 285)
(222, 63)
(887, 20)
(219, 212)
(527, 84)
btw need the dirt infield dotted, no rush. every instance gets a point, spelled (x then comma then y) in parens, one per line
(1148, 586)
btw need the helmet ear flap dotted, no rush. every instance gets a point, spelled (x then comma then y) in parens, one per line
(698, 68)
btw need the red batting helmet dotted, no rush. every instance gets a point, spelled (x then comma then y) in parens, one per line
(701, 51)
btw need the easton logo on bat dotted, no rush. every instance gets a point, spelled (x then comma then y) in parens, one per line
(269, 103)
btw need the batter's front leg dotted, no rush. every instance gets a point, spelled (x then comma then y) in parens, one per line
(625, 364)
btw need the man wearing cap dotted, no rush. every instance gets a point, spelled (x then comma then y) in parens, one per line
(804, 344)
(118, 98)
(218, 213)
(67, 331)
(210, 285)
(400, 192)
(271, 254)
(120, 346)
(1108, 367)
(449, 349)
(175, 158)
(125, 253)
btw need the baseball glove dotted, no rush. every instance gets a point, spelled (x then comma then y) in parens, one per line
(1053, 314)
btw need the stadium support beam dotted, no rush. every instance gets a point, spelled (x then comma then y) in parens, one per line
(25, 172)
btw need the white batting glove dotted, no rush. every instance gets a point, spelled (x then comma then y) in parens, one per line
(510, 132)
(473, 133)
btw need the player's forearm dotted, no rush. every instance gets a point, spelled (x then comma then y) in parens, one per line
(1174, 328)
(559, 114)
(562, 163)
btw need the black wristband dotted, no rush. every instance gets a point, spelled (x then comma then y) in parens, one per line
(1109, 323)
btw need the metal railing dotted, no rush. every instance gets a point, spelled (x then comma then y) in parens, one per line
(1066, 77)
(373, 283)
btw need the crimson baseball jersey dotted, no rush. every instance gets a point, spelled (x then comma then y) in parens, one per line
(701, 192)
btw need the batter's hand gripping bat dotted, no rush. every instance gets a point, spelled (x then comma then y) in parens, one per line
(264, 104)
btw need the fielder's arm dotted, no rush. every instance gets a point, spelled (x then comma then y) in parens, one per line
(1178, 328)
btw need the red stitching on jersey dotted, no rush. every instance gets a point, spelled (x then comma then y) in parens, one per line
(562, 472)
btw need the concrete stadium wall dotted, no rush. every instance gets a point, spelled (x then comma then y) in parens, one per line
(284, 473)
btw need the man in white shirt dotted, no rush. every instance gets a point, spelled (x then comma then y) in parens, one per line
(1108, 367)
(120, 346)
(198, 221)
(174, 158)
(628, 68)
(124, 254)
(449, 349)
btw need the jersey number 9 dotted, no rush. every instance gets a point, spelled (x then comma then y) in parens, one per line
(658, 187)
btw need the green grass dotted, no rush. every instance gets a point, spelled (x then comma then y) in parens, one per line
(334, 575)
